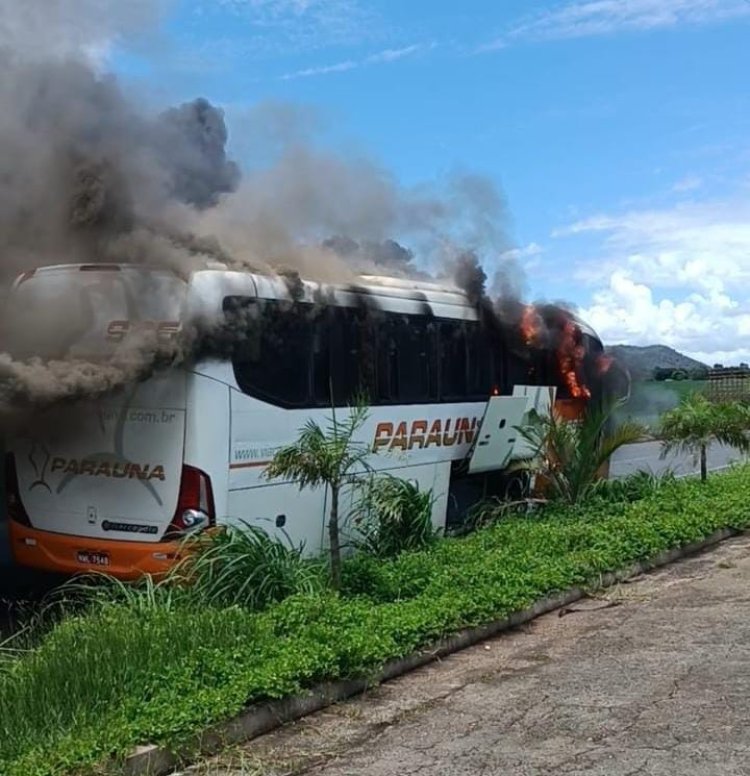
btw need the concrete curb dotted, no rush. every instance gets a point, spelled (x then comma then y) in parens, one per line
(152, 760)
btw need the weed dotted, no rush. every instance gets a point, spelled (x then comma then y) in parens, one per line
(394, 516)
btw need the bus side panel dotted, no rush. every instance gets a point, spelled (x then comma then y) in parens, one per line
(434, 477)
(257, 431)
(207, 429)
(284, 511)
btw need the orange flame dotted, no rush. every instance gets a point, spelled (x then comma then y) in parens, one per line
(531, 324)
(570, 355)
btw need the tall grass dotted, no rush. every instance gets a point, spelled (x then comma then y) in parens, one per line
(82, 686)
(634, 487)
(246, 566)
(97, 648)
(394, 517)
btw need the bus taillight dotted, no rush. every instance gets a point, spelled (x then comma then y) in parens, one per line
(195, 504)
(16, 509)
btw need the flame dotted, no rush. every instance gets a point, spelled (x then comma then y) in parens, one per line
(570, 355)
(531, 324)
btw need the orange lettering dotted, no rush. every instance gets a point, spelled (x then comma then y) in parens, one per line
(435, 434)
(462, 426)
(418, 431)
(383, 434)
(399, 439)
(117, 330)
(168, 330)
(448, 440)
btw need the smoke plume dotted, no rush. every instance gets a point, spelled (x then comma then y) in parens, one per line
(91, 174)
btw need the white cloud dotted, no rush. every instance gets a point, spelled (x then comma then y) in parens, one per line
(587, 18)
(529, 251)
(688, 183)
(678, 276)
(339, 67)
(385, 57)
(393, 55)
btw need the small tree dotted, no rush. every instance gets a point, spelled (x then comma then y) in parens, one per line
(571, 454)
(329, 457)
(696, 422)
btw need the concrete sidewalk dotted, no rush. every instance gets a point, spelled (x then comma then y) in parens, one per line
(654, 678)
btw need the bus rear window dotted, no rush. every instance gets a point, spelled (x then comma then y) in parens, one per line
(69, 313)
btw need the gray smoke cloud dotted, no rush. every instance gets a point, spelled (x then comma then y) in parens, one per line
(82, 169)
(53, 29)
(89, 173)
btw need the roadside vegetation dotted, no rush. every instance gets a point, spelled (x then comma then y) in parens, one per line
(569, 457)
(329, 457)
(248, 618)
(697, 422)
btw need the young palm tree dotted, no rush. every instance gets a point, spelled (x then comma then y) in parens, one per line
(570, 454)
(696, 422)
(329, 457)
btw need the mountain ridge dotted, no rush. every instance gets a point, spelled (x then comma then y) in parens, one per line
(642, 360)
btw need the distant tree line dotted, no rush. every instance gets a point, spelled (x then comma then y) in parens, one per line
(698, 373)
(670, 373)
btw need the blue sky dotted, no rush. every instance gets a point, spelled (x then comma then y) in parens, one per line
(618, 130)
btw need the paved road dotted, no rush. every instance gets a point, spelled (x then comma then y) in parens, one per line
(653, 680)
(646, 455)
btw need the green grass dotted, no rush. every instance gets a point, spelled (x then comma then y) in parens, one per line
(161, 668)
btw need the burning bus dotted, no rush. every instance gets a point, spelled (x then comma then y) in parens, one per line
(117, 483)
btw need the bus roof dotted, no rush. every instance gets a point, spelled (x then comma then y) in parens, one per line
(209, 278)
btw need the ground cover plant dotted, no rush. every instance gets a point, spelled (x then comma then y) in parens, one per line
(158, 667)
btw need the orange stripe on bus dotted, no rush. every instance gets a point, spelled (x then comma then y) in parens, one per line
(252, 464)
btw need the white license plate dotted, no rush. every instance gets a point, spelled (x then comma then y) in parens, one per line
(93, 558)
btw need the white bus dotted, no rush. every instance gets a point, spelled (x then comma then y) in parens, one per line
(116, 483)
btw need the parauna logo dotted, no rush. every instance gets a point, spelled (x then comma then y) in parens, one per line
(104, 468)
(423, 433)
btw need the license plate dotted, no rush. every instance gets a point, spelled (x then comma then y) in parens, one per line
(93, 558)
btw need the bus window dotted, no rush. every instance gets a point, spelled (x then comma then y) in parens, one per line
(275, 364)
(345, 347)
(344, 355)
(417, 359)
(453, 372)
(321, 358)
(387, 358)
(479, 362)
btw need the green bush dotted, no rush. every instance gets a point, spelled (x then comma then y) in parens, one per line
(123, 673)
(634, 487)
(244, 565)
(394, 516)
